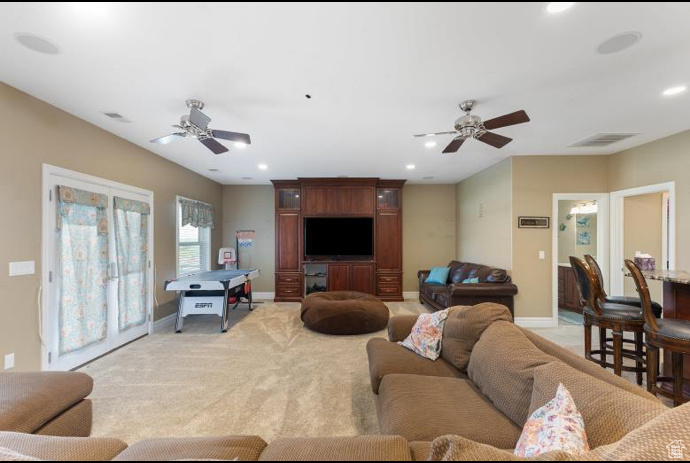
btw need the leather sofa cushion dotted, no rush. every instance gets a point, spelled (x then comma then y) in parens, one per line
(461, 271)
(387, 358)
(62, 448)
(201, 448)
(28, 401)
(502, 366)
(362, 448)
(608, 412)
(464, 326)
(422, 408)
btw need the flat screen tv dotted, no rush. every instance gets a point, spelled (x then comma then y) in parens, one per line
(339, 237)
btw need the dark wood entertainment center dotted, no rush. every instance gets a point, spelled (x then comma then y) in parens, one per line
(380, 200)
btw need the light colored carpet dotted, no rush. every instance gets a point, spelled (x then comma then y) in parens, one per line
(268, 376)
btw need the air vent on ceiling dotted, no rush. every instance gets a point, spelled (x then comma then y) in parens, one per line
(602, 139)
(118, 117)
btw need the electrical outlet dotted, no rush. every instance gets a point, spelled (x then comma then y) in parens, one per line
(9, 362)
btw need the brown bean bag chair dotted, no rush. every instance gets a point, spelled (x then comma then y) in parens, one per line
(344, 313)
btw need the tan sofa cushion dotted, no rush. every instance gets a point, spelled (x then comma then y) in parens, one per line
(464, 327)
(362, 448)
(581, 364)
(29, 401)
(75, 422)
(609, 413)
(422, 408)
(420, 450)
(62, 448)
(502, 367)
(201, 448)
(648, 443)
(387, 358)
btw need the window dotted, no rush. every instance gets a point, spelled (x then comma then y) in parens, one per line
(193, 247)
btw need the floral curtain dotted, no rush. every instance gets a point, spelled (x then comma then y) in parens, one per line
(82, 227)
(131, 241)
(196, 214)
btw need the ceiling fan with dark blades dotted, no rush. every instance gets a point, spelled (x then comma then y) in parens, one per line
(471, 126)
(195, 125)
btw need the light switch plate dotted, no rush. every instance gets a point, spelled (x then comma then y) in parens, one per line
(9, 362)
(542, 255)
(18, 269)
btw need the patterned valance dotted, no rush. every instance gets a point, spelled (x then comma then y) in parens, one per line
(196, 214)
(82, 207)
(130, 205)
(74, 196)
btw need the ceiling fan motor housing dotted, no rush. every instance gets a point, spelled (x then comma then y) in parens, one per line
(469, 126)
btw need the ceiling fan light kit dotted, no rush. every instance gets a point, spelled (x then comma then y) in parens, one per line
(195, 125)
(471, 126)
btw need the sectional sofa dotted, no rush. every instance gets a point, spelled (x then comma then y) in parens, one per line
(470, 404)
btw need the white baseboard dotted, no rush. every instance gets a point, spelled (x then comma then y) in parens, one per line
(535, 322)
(164, 323)
(411, 296)
(264, 296)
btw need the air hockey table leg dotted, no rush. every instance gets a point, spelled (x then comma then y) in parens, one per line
(179, 321)
(226, 308)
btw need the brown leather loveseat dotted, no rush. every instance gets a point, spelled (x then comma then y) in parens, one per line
(495, 285)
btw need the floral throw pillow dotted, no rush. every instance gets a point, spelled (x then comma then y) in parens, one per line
(557, 426)
(427, 334)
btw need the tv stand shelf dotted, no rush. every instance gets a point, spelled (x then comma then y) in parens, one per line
(379, 200)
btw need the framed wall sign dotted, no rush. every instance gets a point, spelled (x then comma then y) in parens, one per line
(534, 222)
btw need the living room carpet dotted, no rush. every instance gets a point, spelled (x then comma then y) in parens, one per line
(268, 376)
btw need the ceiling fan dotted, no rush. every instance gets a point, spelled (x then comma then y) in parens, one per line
(195, 125)
(471, 126)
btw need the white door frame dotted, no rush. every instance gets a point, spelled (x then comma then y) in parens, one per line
(47, 253)
(618, 229)
(602, 237)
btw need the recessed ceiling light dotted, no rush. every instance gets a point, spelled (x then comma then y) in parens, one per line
(411, 167)
(675, 90)
(559, 7)
(240, 145)
(619, 43)
(36, 43)
(430, 144)
(263, 166)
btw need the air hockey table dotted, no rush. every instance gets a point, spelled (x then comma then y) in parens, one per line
(212, 293)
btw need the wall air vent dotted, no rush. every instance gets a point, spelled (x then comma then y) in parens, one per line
(601, 140)
(118, 117)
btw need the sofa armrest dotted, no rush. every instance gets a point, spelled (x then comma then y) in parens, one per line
(361, 448)
(62, 448)
(483, 289)
(399, 328)
(423, 275)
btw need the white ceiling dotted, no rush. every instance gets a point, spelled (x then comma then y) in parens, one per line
(378, 73)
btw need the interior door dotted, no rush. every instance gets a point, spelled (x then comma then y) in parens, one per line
(97, 295)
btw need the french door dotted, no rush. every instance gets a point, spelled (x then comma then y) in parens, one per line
(97, 272)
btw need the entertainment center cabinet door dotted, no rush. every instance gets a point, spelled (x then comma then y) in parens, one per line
(321, 200)
(363, 278)
(288, 252)
(338, 277)
(389, 241)
(357, 201)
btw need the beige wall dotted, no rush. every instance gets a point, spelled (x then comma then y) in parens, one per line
(643, 233)
(252, 208)
(428, 229)
(32, 133)
(486, 237)
(535, 180)
(661, 161)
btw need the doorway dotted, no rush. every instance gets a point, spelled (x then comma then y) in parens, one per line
(580, 227)
(643, 224)
(97, 267)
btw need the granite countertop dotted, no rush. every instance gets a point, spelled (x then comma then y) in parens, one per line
(669, 276)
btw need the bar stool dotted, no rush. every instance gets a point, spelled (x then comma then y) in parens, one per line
(634, 301)
(671, 335)
(619, 318)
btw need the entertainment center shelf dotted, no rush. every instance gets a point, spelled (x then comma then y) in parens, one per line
(305, 208)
